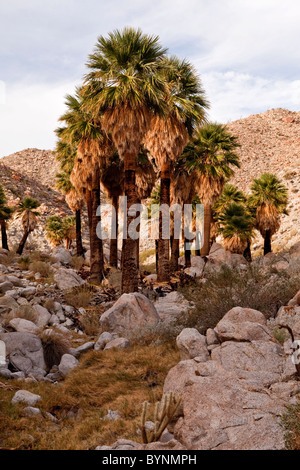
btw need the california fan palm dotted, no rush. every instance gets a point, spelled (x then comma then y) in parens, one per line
(212, 155)
(169, 133)
(123, 84)
(5, 214)
(270, 199)
(236, 227)
(27, 211)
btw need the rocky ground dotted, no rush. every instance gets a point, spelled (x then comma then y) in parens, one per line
(249, 374)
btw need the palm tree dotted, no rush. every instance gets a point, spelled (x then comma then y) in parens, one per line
(75, 201)
(84, 133)
(169, 133)
(124, 85)
(5, 214)
(54, 230)
(236, 227)
(270, 199)
(26, 210)
(212, 154)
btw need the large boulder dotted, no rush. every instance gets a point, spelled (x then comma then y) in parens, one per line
(28, 398)
(172, 305)
(15, 281)
(288, 316)
(243, 324)
(24, 352)
(222, 412)
(8, 305)
(42, 316)
(192, 344)
(62, 255)
(258, 363)
(67, 364)
(23, 326)
(67, 279)
(130, 312)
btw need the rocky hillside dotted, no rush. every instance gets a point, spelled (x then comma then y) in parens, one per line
(27, 176)
(38, 165)
(270, 142)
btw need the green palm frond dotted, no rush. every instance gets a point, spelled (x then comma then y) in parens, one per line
(267, 189)
(124, 70)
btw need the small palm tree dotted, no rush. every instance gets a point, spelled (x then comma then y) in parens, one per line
(212, 154)
(270, 199)
(5, 214)
(54, 230)
(27, 211)
(236, 227)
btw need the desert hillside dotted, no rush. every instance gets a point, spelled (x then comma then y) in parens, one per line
(270, 142)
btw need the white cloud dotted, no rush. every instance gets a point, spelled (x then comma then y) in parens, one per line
(246, 52)
(235, 95)
(30, 115)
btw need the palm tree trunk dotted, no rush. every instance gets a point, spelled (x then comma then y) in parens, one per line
(156, 255)
(138, 229)
(267, 244)
(247, 252)
(4, 235)
(129, 264)
(79, 247)
(174, 249)
(97, 262)
(207, 223)
(22, 243)
(163, 273)
(113, 256)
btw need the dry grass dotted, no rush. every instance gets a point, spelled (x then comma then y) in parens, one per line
(41, 267)
(24, 311)
(77, 262)
(55, 346)
(89, 321)
(79, 296)
(116, 380)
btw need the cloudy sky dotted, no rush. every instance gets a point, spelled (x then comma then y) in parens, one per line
(246, 51)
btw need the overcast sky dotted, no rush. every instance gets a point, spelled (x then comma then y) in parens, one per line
(247, 53)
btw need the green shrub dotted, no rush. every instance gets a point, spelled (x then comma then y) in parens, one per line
(257, 287)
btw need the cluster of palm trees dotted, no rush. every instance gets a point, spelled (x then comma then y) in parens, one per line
(236, 215)
(140, 116)
(26, 211)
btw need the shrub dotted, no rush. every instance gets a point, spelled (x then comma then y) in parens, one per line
(24, 262)
(49, 304)
(89, 321)
(41, 267)
(257, 287)
(79, 296)
(54, 347)
(77, 262)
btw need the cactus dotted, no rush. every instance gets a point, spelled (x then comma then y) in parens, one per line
(164, 412)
